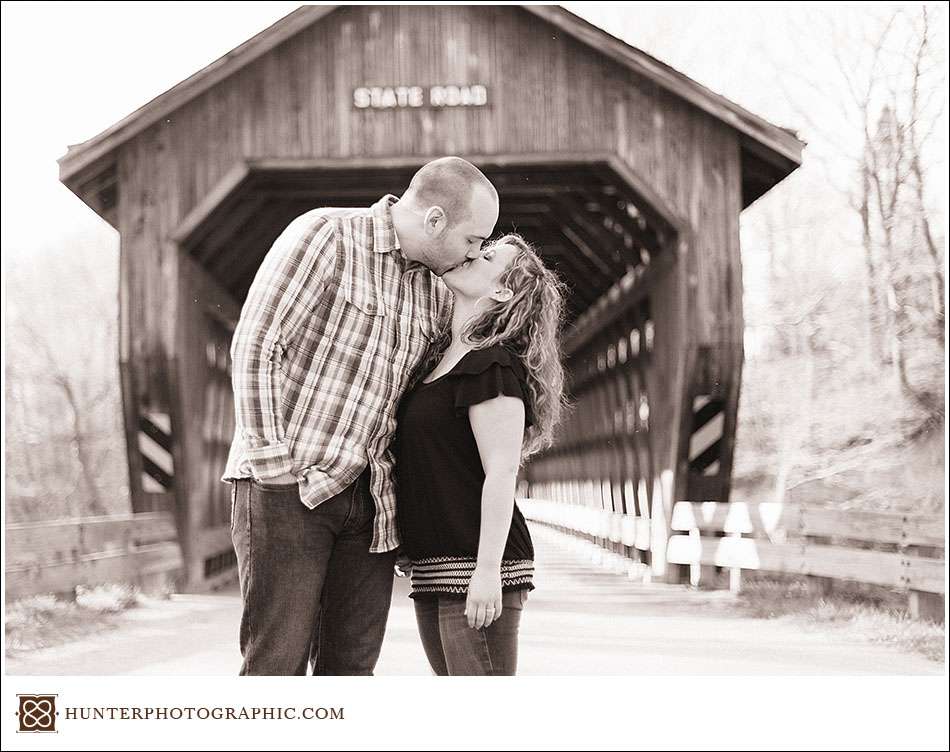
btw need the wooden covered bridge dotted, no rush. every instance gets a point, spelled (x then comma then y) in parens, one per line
(627, 174)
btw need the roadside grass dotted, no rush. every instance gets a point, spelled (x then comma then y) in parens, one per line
(874, 615)
(45, 620)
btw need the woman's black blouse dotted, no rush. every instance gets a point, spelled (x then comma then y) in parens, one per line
(439, 475)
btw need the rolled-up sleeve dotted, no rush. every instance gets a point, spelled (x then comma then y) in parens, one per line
(284, 291)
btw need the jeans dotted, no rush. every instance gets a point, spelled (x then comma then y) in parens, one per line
(311, 590)
(456, 649)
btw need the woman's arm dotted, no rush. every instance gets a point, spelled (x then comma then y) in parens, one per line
(498, 425)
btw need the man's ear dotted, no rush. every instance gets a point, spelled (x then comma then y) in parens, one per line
(502, 296)
(435, 221)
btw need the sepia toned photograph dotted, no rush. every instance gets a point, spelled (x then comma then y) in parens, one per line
(595, 339)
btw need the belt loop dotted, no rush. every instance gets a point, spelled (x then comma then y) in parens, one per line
(244, 487)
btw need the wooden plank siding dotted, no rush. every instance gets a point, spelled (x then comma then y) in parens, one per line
(547, 93)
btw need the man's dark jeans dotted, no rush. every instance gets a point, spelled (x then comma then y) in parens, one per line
(310, 587)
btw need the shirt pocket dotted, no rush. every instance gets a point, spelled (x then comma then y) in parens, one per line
(422, 335)
(359, 288)
(427, 313)
(424, 325)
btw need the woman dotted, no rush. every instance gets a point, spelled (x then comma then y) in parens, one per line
(490, 395)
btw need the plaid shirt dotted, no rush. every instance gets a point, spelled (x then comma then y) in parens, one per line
(333, 327)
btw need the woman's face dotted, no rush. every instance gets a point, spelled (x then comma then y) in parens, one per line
(480, 277)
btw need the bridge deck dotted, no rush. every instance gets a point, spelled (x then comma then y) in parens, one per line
(579, 621)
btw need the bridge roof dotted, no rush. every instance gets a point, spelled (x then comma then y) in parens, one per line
(770, 151)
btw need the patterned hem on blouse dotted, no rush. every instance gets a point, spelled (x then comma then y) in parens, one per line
(451, 575)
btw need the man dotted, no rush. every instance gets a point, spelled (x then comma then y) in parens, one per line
(339, 315)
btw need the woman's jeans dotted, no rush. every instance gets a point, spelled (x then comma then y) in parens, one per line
(456, 649)
(311, 589)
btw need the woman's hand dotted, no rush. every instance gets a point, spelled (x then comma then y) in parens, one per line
(483, 605)
(403, 566)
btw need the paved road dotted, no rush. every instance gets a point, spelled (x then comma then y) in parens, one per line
(580, 621)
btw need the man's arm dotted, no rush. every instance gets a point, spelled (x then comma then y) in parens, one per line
(293, 273)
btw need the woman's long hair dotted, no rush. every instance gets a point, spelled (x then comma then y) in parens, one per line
(529, 324)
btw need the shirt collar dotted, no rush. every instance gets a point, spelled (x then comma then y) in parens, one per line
(384, 234)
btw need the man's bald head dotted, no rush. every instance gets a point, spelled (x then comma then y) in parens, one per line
(450, 183)
(448, 211)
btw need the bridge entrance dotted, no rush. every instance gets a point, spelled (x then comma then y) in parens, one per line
(627, 175)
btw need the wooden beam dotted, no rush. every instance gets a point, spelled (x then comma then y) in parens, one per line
(876, 567)
(327, 181)
(757, 156)
(370, 185)
(552, 161)
(343, 180)
(923, 530)
(577, 276)
(227, 226)
(586, 250)
(925, 575)
(617, 301)
(107, 567)
(33, 543)
(596, 237)
(646, 199)
(212, 201)
(318, 195)
(237, 268)
(607, 207)
(595, 277)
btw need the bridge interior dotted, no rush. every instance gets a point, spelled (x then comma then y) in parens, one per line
(591, 226)
(604, 238)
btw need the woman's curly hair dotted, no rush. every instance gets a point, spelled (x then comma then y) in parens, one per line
(529, 324)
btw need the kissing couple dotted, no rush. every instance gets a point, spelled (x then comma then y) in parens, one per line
(392, 368)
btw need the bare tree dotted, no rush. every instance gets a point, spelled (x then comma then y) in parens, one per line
(65, 453)
(923, 124)
(890, 69)
(911, 269)
(78, 431)
(875, 59)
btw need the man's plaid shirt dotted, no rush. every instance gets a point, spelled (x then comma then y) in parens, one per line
(333, 328)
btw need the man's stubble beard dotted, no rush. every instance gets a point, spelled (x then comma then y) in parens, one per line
(431, 257)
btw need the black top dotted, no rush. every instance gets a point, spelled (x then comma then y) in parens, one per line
(439, 473)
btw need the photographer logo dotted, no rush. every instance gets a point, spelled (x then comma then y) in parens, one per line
(37, 713)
